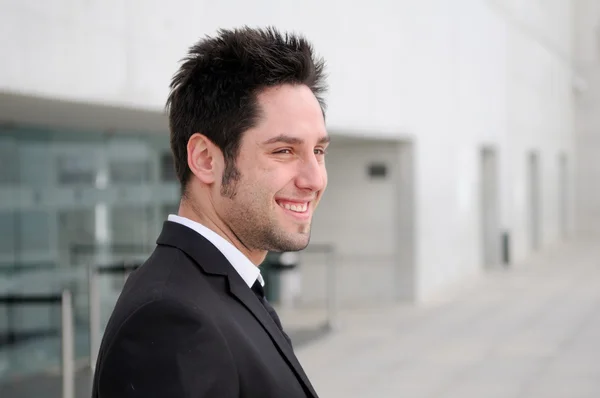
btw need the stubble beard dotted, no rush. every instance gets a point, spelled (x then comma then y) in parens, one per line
(254, 222)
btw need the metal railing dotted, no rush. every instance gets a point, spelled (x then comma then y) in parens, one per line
(94, 271)
(81, 253)
(125, 268)
(67, 330)
(331, 274)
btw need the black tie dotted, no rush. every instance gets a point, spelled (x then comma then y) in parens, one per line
(260, 293)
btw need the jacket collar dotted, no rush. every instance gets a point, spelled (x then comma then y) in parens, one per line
(213, 262)
(249, 272)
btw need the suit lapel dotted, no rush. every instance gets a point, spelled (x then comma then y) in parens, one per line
(245, 295)
(212, 261)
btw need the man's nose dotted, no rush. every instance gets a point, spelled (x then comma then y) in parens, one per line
(311, 175)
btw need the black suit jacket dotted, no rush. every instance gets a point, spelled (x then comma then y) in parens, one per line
(187, 325)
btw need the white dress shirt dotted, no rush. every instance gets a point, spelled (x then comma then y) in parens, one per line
(246, 268)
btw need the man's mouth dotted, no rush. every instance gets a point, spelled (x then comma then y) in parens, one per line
(297, 207)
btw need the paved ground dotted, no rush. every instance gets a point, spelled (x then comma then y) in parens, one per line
(533, 332)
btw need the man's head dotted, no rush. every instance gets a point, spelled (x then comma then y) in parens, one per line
(248, 136)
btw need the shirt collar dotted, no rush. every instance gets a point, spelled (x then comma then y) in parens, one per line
(249, 272)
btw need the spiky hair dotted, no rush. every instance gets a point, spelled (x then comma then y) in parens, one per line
(215, 90)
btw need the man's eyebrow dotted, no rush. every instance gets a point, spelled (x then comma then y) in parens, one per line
(290, 140)
(325, 140)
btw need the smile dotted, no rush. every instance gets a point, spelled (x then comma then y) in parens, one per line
(297, 207)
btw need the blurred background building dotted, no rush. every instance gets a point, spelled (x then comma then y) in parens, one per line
(465, 139)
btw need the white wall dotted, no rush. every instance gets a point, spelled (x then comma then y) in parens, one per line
(540, 111)
(358, 215)
(586, 45)
(448, 75)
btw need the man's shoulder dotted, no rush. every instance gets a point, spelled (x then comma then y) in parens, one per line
(168, 284)
(167, 273)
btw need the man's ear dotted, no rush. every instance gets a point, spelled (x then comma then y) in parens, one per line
(203, 158)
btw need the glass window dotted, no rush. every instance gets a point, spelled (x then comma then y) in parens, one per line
(64, 212)
(129, 171)
(9, 161)
(167, 167)
(75, 169)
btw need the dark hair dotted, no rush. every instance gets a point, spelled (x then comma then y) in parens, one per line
(215, 90)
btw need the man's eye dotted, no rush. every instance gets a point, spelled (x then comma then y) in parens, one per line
(284, 151)
(320, 151)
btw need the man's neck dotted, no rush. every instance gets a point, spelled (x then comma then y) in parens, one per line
(213, 222)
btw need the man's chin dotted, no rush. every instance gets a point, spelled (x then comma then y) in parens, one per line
(294, 242)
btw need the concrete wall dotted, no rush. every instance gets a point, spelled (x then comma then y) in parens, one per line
(450, 76)
(360, 217)
(540, 112)
(586, 45)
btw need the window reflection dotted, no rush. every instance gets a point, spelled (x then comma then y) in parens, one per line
(69, 199)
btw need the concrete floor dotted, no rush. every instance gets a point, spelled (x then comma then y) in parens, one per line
(531, 331)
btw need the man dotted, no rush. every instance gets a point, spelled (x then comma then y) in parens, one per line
(248, 138)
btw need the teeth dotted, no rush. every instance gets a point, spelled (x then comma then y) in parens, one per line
(297, 208)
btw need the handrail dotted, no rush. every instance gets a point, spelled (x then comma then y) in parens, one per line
(79, 249)
(330, 263)
(17, 298)
(127, 267)
(117, 268)
(67, 330)
(122, 267)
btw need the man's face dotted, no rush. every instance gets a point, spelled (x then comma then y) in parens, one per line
(282, 175)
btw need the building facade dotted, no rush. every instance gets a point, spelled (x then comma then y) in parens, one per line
(453, 129)
(586, 50)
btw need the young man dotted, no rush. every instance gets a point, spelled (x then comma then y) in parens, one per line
(249, 139)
